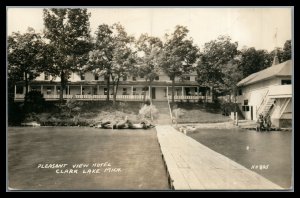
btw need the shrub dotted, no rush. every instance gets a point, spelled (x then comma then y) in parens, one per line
(178, 113)
(148, 111)
(30, 117)
(35, 102)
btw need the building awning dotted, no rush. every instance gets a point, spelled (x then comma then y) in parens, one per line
(287, 115)
(103, 83)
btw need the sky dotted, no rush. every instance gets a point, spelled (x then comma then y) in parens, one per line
(249, 26)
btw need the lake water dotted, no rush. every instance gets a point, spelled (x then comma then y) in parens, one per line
(267, 153)
(92, 159)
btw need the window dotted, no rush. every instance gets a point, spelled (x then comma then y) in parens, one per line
(134, 78)
(240, 92)
(49, 90)
(105, 91)
(187, 78)
(125, 91)
(171, 78)
(286, 82)
(82, 77)
(141, 76)
(134, 91)
(157, 78)
(245, 108)
(106, 78)
(95, 91)
(19, 90)
(46, 76)
(96, 77)
(124, 78)
(144, 90)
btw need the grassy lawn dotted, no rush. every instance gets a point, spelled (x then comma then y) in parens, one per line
(200, 113)
(135, 152)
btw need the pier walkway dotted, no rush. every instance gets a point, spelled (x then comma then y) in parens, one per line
(193, 166)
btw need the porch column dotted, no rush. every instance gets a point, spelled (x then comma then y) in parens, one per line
(91, 90)
(80, 89)
(167, 91)
(55, 93)
(41, 89)
(68, 92)
(131, 90)
(98, 90)
(197, 91)
(15, 91)
(182, 92)
(149, 92)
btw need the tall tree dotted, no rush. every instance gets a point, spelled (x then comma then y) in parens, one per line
(253, 60)
(232, 75)
(124, 57)
(210, 68)
(100, 58)
(287, 51)
(68, 33)
(178, 55)
(25, 56)
(149, 49)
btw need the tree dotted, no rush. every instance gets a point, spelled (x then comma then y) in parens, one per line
(124, 58)
(68, 33)
(210, 67)
(287, 51)
(25, 56)
(178, 55)
(253, 60)
(148, 64)
(232, 75)
(100, 58)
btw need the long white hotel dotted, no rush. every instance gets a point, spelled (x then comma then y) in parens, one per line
(92, 87)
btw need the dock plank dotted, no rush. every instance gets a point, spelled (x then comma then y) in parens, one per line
(193, 166)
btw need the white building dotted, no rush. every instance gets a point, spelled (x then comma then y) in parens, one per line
(268, 92)
(92, 87)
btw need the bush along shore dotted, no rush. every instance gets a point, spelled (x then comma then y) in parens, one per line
(82, 113)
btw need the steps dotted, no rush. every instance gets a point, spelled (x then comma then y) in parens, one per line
(268, 106)
(164, 112)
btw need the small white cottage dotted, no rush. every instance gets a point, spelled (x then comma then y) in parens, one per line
(268, 92)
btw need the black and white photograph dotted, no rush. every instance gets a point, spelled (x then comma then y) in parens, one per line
(150, 98)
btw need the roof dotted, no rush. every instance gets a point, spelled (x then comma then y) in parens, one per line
(102, 83)
(282, 69)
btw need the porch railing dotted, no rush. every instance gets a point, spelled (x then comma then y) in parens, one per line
(190, 97)
(88, 97)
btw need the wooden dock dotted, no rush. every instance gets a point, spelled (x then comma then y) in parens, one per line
(193, 166)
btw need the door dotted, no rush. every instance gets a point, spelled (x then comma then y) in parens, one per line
(153, 93)
(95, 91)
(251, 112)
(187, 91)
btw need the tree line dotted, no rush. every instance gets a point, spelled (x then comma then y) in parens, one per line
(67, 46)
